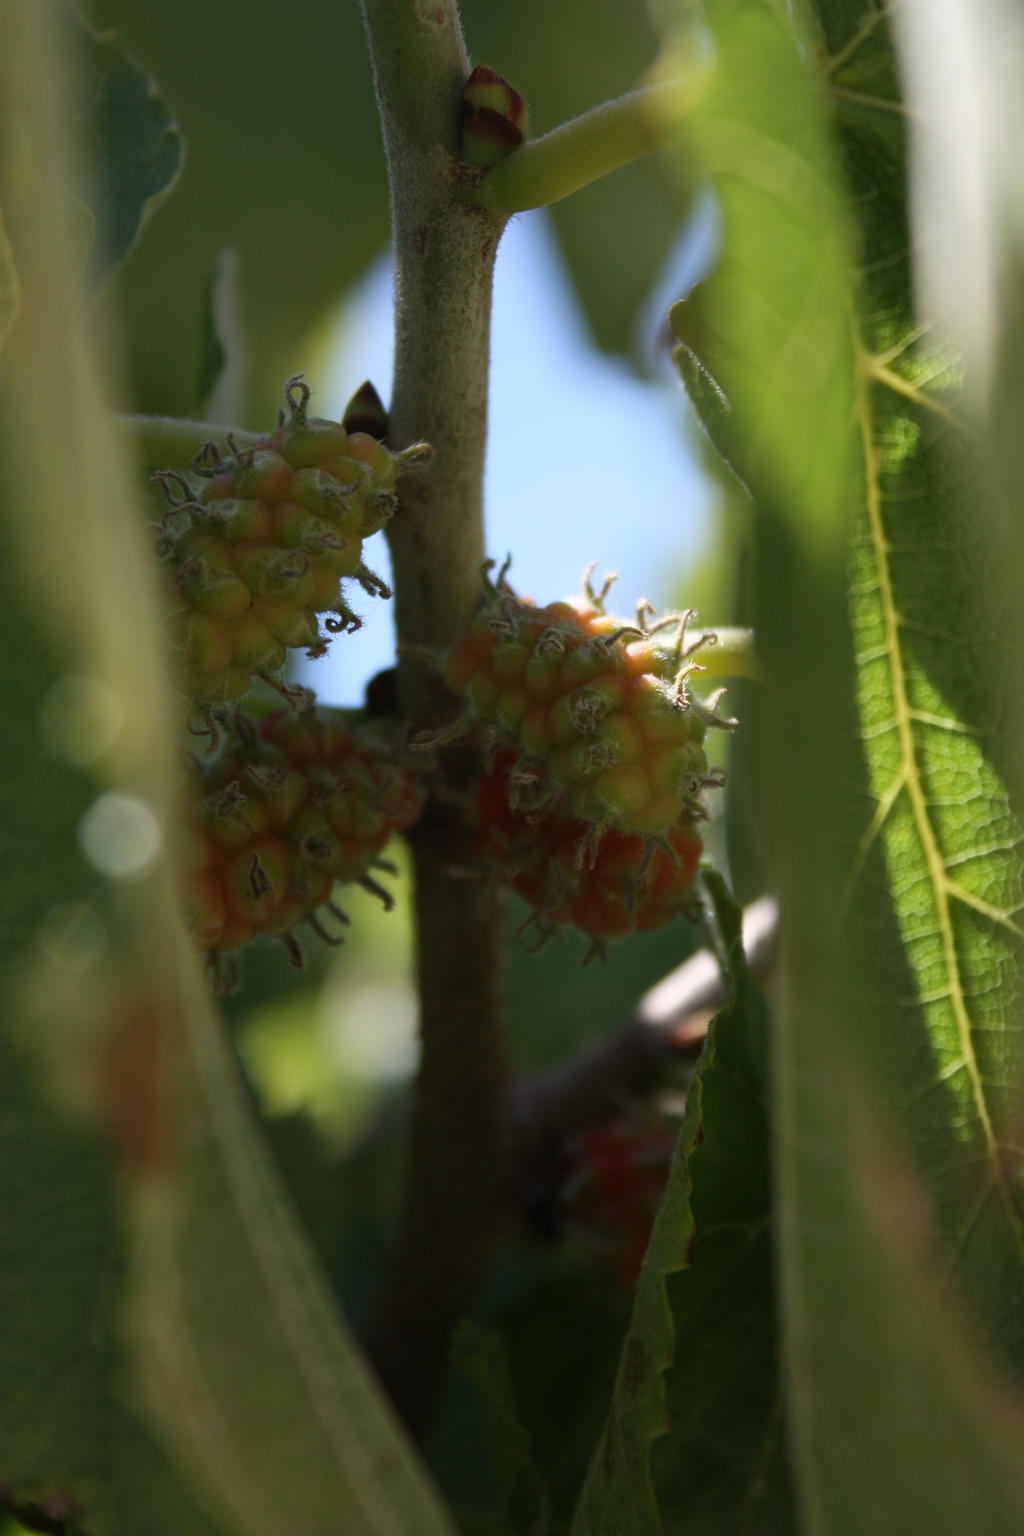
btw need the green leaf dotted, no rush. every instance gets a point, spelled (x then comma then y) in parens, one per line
(219, 384)
(617, 234)
(766, 342)
(132, 143)
(925, 630)
(171, 1360)
(559, 1314)
(723, 1465)
(480, 1356)
(285, 166)
(883, 764)
(126, 151)
(618, 1494)
(709, 1331)
(933, 893)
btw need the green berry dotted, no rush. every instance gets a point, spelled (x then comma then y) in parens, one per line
(306, 443)
(265, 541)
(254, 646)
(206, 641)
(287, 622)
(585, 695)
(276, 572)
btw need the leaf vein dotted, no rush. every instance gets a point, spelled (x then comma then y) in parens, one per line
(923, 717)
(885, 804)
(1001, 915)
(856, 40)
(883, 374)
(866, 99)
(944, 889)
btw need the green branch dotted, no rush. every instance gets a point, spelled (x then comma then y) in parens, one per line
(547, 169)
(731, 654)
(444, 260)
(166, 442)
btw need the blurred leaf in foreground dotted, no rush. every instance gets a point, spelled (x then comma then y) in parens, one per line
(10, 288)
(170, 1358)
(134, 147)
(125, 143)
(285, 167)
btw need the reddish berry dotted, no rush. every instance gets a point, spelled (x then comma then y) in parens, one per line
(617, 1180)
(297, 805)
(622, 885)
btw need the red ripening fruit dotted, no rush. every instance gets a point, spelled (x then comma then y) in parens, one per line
(626, 884)
(618, 1178)
(297, 804)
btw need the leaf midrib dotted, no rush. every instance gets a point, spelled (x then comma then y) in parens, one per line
(908, 778)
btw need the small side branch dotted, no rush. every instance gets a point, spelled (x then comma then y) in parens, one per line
(165, 442)
(547, 169)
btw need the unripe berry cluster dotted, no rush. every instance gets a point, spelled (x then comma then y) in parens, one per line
(600, 711)
(258, 544)
(628, 884)
(298, 803)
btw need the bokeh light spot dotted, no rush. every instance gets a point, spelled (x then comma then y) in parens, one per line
(120, 836)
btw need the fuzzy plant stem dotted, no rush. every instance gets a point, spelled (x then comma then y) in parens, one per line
(444, 257)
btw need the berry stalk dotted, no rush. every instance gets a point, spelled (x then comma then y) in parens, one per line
(444, 259)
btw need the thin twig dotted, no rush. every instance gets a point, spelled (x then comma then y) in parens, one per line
(167, 442)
